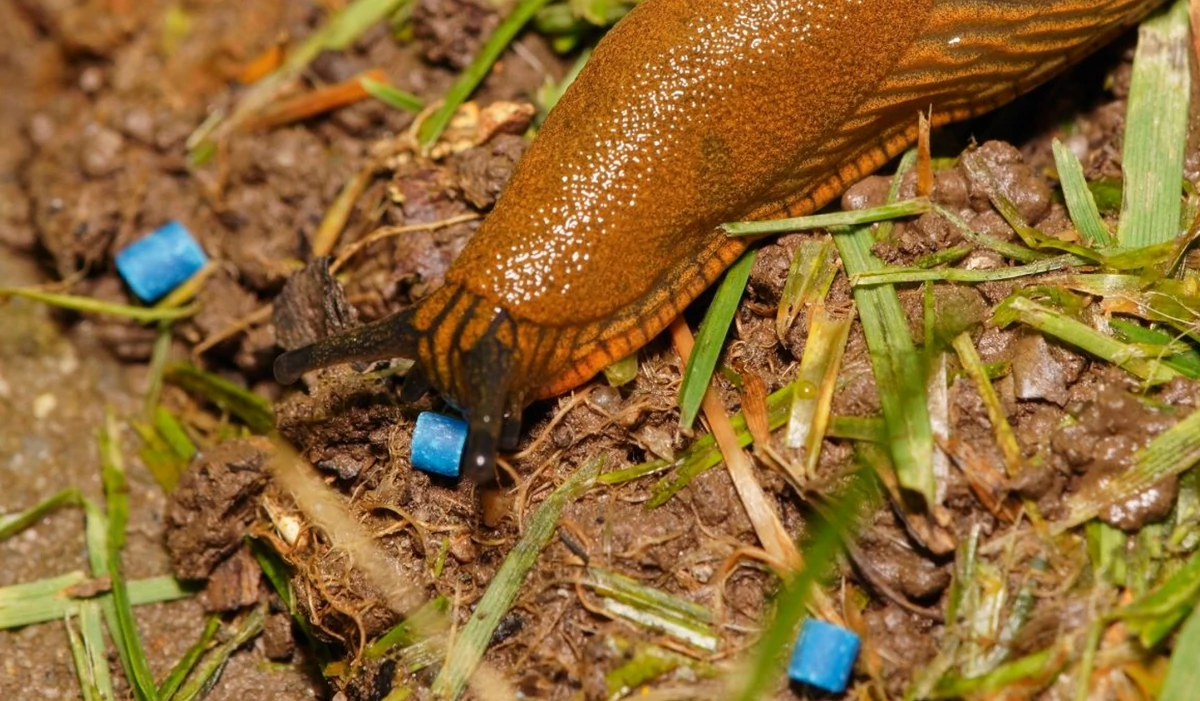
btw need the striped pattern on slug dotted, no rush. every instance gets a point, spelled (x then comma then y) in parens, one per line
(689, 114)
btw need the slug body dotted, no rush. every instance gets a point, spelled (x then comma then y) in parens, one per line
(692, 113)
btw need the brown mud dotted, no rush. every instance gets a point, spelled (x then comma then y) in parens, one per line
(102, 96)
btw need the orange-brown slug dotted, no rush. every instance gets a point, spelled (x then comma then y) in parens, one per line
(689, 114)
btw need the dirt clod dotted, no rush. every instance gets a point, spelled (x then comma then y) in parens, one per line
(214, 504)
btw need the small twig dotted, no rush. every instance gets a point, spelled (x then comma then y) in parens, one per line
(255, 317)
(389, 231)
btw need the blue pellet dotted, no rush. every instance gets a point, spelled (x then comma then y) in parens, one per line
(824, 656)
(437, 443)
(158, 263)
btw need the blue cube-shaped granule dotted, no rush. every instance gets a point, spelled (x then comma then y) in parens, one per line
(824, 656)
(158, 263)
(437, 443)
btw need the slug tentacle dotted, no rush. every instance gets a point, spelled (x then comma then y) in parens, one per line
(391, 337)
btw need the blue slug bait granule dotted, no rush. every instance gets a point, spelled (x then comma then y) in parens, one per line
(158, 263)
(824, 656)
(437, 443)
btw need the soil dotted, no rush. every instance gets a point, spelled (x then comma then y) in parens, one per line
(102, 96)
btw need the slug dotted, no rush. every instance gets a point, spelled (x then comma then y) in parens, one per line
(689, 114)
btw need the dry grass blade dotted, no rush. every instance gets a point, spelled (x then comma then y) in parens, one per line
(819, 367)
(320, 101)
(767, 526)
(338, 31)
(390, 231)
(1005, 438)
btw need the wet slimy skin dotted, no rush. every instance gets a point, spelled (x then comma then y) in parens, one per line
(689, 114)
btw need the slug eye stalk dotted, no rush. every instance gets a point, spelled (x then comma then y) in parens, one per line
(478, 379)
(390, 337)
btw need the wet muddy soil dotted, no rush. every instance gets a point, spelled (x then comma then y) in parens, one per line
(102, 97)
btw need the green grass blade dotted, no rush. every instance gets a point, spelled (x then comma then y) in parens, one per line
(472, 640)
(711, 338)
(125, 633)
(210, 668)
(891, 276)
(810, 275)
(1005, 437)
(1183, 676)
(184, 666)
(1155, 615)
(1156, 130)
(251, 408)
(899, 371)
(91, 305)
(49, 599)
(1170, 453)
(1080, 203)
(857, 217)
(469, 79)
(392, 96)
(1076, 333)
(1185, 360)
(654, 609)
(12, 524)
(37, 602)
(827, 533)
(1030, 235)
(91, 629)
(86, 671)
(1017, 252)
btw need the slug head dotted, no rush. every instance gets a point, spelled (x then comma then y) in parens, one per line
(473, 366)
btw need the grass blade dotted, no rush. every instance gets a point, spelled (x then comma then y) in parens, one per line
(469, 79)
(711, 338)
(209, 670)
(1076, 333)
(391, 95)
(1170, 453)
(899, 372)
(184, 666)
(91, 305)
(655, 609)
(761, 669)
(1157, 130)
(125, 633)
(809, 278)
(12, 524)
(856, 217)
(472, 640)
(1183, 676)
(1005, 438)
(1080, 203)
(819, 367)
(251, 408)
(891, 276)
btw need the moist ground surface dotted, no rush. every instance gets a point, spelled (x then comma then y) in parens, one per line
(100, 98)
